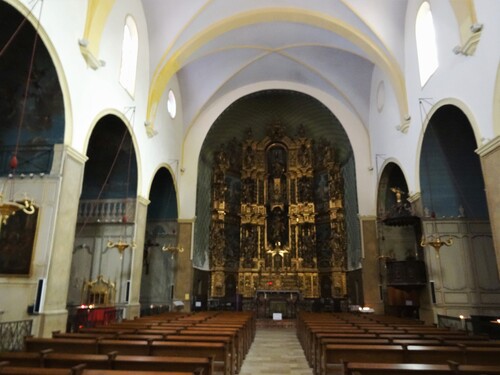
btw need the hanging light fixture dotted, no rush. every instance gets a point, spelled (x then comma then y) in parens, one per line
(9, 208)
(173, 249)
(26, 205)
(122, 245)
(436, 241)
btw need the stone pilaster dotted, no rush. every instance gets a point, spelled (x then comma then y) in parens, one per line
(490, 162)
(54, 315)
(184, 265)
(141, 212)
(371, 272)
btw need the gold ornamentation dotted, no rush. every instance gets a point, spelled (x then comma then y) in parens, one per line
(120, 245)
(436, 242)
(9, 208)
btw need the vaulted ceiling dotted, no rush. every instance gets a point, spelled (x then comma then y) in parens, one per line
(217, 46)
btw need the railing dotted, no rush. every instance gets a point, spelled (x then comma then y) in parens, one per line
(12, 334)
(406, 273)
(31, 159)
(106, 211)
(455, 323)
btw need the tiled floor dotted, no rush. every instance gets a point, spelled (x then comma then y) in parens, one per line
(276, 351)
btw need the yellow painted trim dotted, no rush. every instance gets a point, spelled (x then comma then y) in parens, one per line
(320, 20)
(176, 38)
(465, 14)
(279, 51)
(97, 15)
(496, 105)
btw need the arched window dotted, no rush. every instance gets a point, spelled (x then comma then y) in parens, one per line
(171, 104)
(426, 43)
(130, 46)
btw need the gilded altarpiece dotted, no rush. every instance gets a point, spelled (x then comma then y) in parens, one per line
(277, 219)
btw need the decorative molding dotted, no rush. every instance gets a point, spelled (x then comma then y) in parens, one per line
(88, 56)
(469, 46)
(414, 197)
(150, 131)
(405, 124)
(489, 147)
(143, 200)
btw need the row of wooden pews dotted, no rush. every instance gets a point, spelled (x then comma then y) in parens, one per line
(203, 343)
(6, 368)
(345, 343)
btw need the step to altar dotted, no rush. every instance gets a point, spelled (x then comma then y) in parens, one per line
(270, 323)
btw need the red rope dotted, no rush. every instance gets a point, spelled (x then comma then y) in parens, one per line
(11, 39)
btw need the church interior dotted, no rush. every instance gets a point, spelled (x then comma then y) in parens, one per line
(252, 163)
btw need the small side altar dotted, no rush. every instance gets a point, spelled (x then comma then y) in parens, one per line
(269, 302)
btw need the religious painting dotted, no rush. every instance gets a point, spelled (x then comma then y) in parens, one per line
(17, 238)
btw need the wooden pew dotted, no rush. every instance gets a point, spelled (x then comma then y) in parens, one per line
(353, 368)
(37, 344)
(154, 331)
(81, 335)
(482, 355)
(240, 354)
(336, 354)
(91, 361)
(113, 361)
(125, 372)
(433, 354)
(366, 368)
(172, 363)
(228, 340)
(25, 359)
(10, 370)
(5, 368)
(129, 347)
(218, 350)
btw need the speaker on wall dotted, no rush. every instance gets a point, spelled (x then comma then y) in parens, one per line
(433, 292)
(127, 292)
(40, 296)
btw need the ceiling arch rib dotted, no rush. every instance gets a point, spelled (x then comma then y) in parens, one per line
(295, 64)
(338, 27)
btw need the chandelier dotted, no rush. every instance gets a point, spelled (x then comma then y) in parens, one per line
(26, 205)
(120, 246)
(436, 241)
(9, 208)
(172, 249)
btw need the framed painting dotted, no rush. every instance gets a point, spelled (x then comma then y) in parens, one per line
(17, 239)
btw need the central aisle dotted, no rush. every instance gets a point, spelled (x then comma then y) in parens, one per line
(275, 351)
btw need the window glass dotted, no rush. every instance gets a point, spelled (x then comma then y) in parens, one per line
(426, 43)
(171, 104)
(130, 46)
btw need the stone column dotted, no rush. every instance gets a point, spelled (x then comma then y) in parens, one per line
(183, 267)
(70, 169)
(490, 162)
(133, 308)
(371, 272)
